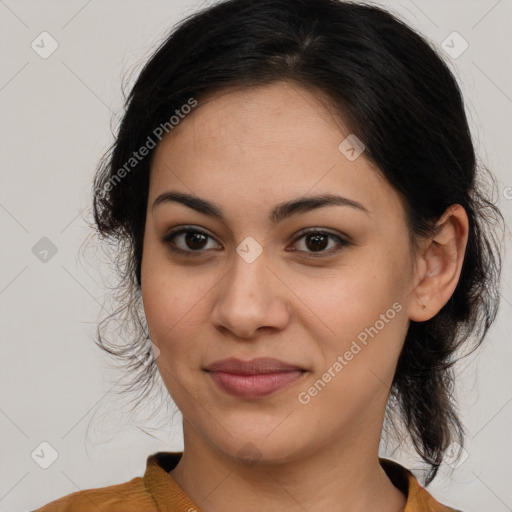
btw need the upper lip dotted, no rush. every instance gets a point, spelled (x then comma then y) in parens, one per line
(252, 367)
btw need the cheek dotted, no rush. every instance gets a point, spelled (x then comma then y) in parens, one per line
(351, 296)
(176, 305)
(169, 314)
(359, 312)
(163, 297)
(172, 318)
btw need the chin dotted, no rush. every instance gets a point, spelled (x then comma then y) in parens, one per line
(253, 446)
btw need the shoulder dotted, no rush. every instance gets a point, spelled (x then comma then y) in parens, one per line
(131, 496)
(418, 498)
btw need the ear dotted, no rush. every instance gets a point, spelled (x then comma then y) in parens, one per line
(439, 265)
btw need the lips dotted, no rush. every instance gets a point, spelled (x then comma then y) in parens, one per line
(256, 378)
(252, 367)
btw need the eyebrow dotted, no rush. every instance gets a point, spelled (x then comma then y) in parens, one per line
(278, 213)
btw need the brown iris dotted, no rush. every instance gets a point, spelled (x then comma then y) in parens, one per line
(316, 241)
(195, 240)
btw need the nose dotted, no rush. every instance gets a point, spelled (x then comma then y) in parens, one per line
(250, 299)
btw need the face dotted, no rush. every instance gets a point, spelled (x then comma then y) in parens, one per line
(247, 273)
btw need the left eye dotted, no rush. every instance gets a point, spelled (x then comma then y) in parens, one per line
(319, 242)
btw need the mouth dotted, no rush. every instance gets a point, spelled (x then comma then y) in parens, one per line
(257, 378)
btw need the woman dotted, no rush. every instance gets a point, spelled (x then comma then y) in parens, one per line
(295, 186)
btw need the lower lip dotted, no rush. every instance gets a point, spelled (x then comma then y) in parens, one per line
(254, 386)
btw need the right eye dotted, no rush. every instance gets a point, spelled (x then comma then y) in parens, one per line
(189, 241)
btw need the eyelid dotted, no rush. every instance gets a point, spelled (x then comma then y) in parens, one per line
(321, 230)
(184, 229)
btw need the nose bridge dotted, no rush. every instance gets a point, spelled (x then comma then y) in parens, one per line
(247, 282)
(249, 298)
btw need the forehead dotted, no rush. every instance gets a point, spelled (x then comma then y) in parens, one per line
(280, 114)
(268, 143)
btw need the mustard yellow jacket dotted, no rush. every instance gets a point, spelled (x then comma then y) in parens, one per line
(157, 491)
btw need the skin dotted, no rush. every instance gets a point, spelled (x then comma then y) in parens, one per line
(246, 151)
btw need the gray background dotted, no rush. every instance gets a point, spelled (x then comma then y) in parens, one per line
(56, 114)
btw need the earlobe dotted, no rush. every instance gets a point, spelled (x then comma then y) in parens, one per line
(439, 265)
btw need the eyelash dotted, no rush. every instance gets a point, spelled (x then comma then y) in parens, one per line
(322, 254)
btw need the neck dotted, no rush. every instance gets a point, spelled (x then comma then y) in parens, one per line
(338, 478)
